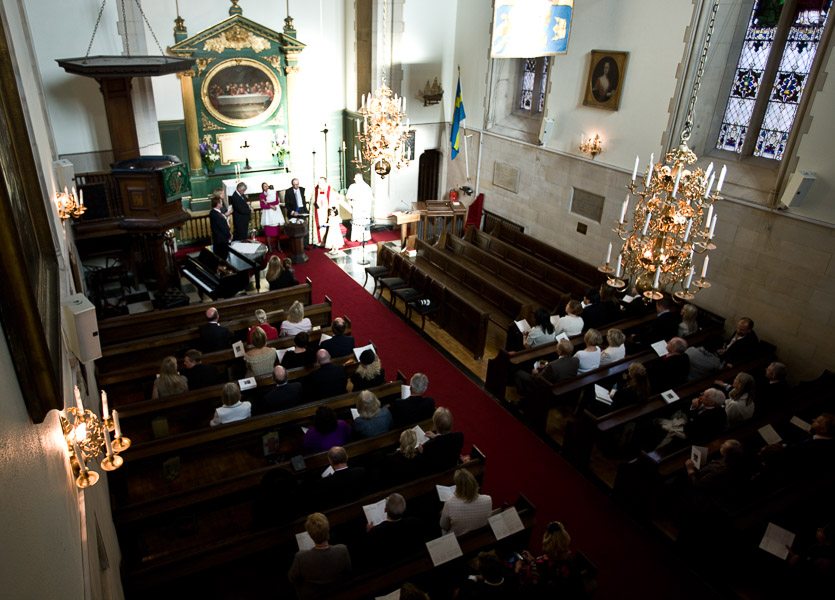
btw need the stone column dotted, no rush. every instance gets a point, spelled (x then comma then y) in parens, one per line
(190, 117)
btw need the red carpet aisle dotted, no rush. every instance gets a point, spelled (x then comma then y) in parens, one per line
(631, 564)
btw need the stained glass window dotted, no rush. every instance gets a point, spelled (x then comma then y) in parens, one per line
(543, 82)
(785, 90)
(528, 79)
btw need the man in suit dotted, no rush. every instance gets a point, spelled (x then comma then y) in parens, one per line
(285, 395)
(344, 485)
(396, 537)
(743, 343)
(340, 344)
(221, 236)
(540, 379)
(706, 417)
(213, 336)
(593, 313)
(774, 392)
(296, 204)
(671, 369)
(416, 407)
(241, 212)
(198, 374)
(329, 379)
(443, 449)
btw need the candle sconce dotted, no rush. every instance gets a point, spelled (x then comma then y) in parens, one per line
(593, 146)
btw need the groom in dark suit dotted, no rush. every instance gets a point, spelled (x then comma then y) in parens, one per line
(294, 199)
(221, 236)
(241, 212)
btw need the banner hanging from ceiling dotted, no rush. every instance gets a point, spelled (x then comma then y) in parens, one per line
(531, 28)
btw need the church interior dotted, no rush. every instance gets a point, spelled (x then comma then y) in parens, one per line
(526, 140)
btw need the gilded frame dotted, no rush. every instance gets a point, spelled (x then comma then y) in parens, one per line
(604, 87)
(238, 63)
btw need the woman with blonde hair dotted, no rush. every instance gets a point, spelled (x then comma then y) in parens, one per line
(405, 463)
(169, 382)
(373, 419)
(260, 360)
(296, 321)
(466, 509)
(261, 317)
(554, 574)
(369, 373)
(689, 324)
(590, 355)
(636, 390)
(615, 351)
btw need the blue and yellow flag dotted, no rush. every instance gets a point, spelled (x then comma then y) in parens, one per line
(457, 116)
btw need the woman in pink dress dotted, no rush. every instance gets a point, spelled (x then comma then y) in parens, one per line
(271, 217)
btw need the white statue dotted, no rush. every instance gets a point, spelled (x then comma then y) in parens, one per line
(361, 198)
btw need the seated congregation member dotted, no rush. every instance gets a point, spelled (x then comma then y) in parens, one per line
(572, 322)
(327, 432)
(704, 360)
(538, 379)
(169, 382)
(721, 476)
(741, 345)
(466, 509)
(397, 537)
(340, 344)
(213, 336)
(416, 407)
(774, 392)
(302, 355)
(373, 419)
(541, 333)
(198, 374)
(812, 563)
(405, 463)
(491, 582)
(592, 310)
(261, 317)
(554, 573)
(615, 351)
(589, 356)
(689, 320)
(671, 369)
(739, 401)
(260, 359)
(296, 321)
(704, 420)
(280, 274)
(811, 456)
(233, 409)
(344, 484)
(285, 394)
(637, 389)
(663, 327)
(369, 373)
(318, 571)
(443, 449)
(329, 379)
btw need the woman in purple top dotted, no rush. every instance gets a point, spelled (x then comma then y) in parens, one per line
(326, 432)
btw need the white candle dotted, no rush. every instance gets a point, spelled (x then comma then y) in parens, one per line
(404, 105)
(704, 266)
(363, 101)
(609, 253)
(721, 178)
(712, 227)
(678, 180)
(81, 197)
(107, 443)
(617, 271)
(623, 209)
(689, 279)
(709, 185)
(646, 223)
(105, 410)
(78, 401)
(687, 232)
(649, 171)
(657, 277)
(118, 430)
(709, 171)
(709, 216)
(635, 170)
(79, 457)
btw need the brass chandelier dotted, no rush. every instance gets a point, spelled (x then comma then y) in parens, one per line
(673, 219)
(383, 135)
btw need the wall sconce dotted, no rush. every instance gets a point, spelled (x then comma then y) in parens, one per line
(593, 146)
(88, 437)
(67, 205)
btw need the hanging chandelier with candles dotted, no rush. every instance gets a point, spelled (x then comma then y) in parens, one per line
(383, 135)
(673, 220)
(67, 204)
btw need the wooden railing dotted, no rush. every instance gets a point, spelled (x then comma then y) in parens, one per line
(198, 230)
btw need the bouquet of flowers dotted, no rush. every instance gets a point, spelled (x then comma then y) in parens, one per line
(279, 147)
(210, 152)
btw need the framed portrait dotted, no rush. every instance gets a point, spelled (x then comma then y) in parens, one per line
(240, 92)
(607, 72)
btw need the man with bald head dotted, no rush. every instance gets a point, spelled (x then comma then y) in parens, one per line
(340, 344)
(329, 379)
(286, 394)
(213, 336)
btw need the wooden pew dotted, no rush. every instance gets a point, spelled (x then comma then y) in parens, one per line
(128, 327)
(158, 346)
(539, 250)
(168, 560)
(557, 275)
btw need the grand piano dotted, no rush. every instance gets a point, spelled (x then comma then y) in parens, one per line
(214, 276)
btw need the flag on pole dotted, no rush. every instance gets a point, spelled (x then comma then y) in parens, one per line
(457, 117)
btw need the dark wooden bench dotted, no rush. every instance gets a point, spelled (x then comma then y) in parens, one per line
(129, 327)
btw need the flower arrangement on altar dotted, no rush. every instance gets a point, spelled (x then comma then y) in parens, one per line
(210, 153)
(279, 146)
